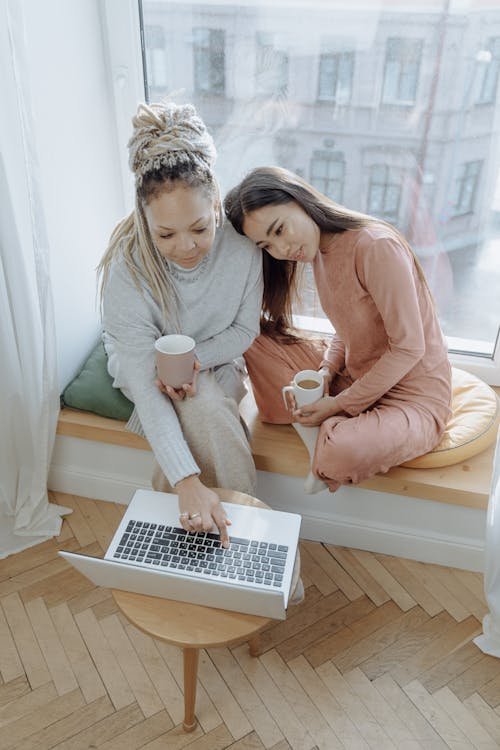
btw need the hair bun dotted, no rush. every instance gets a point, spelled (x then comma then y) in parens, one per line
(168, 134)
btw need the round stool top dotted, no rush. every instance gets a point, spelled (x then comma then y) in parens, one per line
(192, 625)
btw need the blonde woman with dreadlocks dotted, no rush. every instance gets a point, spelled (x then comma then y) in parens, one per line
(173, 266)
(386, 370)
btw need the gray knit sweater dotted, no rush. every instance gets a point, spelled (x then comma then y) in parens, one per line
(219, 306)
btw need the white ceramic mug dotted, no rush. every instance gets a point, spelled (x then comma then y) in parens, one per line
(175, 359)
(307, 386)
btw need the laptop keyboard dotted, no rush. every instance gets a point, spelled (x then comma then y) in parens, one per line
(174, 548)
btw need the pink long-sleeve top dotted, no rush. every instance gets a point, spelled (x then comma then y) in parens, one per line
(387, 332)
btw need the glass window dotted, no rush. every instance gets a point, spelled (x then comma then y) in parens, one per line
(411, 143)
(384, 193)
(466, 187)
(271, 68)
(209, 61)
(335, 77)
(156, 58)
(402, 66)
(327, 174)
(489, 83)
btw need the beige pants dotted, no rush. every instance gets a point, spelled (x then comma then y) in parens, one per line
(211, 425)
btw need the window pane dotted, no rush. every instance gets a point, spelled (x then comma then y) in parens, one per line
(395, 115)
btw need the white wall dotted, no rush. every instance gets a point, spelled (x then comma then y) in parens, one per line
(79, 166)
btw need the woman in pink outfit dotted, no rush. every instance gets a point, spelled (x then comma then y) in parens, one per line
(387, 375)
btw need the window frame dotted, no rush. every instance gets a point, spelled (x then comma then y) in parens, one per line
(124, 44)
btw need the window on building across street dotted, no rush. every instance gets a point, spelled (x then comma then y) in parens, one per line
(466, 187)
(271, 66)
(402, 67)
(327, 174)
(209, 61)
(156, 57)
(384, 193)
(391, 109)
(335, 77)
(489, 83)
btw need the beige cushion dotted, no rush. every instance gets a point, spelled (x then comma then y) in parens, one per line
(472, 427)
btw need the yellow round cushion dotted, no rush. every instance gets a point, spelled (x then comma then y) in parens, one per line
(472, 427)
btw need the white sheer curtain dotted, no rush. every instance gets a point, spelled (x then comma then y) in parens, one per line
(489, 641)
(29, 402)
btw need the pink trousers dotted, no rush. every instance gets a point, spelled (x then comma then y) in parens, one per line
(349, 449)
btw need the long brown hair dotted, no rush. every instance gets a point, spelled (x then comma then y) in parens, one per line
(266, 186)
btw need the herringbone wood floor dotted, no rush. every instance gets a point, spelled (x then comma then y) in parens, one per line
(379, 655)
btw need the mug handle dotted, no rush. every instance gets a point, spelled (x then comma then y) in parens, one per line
(284, 391)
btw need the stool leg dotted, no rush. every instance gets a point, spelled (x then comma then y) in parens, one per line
(190, 676)
(254, 645)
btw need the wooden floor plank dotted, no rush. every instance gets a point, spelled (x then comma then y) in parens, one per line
(324, 629)
(464, 719)
(14, 689)
(304, 709)
(249, 700)
(389, 584)
(388, 719)
(27, 646)
(84, 669)
(453, 665)
(445, 643)
(416, 722)
(27, 703)
(11, 665)
(159, 674)
(436, 588)
(471, 603)
(361, 650)
(358, 572)
(135, 674)
(224, 701)
(485, 669)
(109, 669)
(354, 632)
(315, 571)
(283, 714)
(78, 523)
(367, 724)
(486, 716)
(411, 583)
(121, 730)
(52, 649)
(440, 720)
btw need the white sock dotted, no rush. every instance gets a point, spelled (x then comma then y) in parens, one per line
(309, 436)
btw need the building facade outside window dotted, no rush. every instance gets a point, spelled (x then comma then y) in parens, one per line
(401, 73)
(489, 84)
(209, 61)
(271, 66)
(466, 187)
(327, 174)
(409, 144)
(156, 57)
(384, 193)
(335, 77)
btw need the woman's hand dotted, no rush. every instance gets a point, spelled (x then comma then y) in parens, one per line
(315, 414)
(200, 508)
(327, 379)
(188, 389)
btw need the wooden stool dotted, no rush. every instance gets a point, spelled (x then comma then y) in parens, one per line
(191, 626)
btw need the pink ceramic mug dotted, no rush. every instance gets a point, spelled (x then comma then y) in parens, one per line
(175, 359)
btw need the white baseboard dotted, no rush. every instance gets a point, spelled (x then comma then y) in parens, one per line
(417, 529)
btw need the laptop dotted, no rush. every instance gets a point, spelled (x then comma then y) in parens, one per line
(151, 554)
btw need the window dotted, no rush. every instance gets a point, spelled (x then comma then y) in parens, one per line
(408, 144)
(335, 77)
(156, 59)
(466, 187)
(402, 66)
(271, 66)
(327, 174)
(384, 193)
(489, 83)
(209, 61)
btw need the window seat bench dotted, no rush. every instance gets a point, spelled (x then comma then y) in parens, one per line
(277, 449)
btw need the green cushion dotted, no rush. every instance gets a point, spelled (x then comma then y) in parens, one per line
(92, 389)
